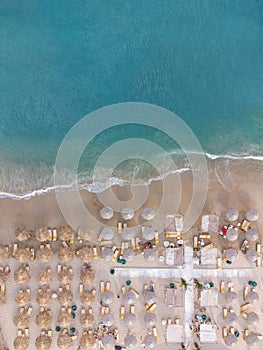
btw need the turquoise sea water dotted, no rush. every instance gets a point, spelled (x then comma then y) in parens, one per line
(203, 60)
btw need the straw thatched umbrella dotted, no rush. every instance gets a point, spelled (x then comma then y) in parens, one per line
(232, 234)
(127, 234)
(3, 277)
(130, 341)
(44, 254)
(129, 297)
(150, 297)
(148, 233)
(21, 320)
(64, 341)
(129, 319)
(65, 254)
(87, 297)
(42, 234)
(87, 274)
(87, 341)
(43, 342)
(252, 318)
(108, 342)
(127, 213)
(107, 254)
(230, 340)
(21, 342)
(231, 254)
(4, 253)
(107, 233)
(128, 254)
(86, 254)
(44, 276)
(108, 319)
(44, 318)
(65, 233)
(106, 213)
(251, 339)
(86, 319)
(23, 234)
(230, 295)
(232, 215)
(44, 297)
(23, 298)
(252, 297)
(23, 255)
(252, 215)
(251, 255)
(65, 276)
(148, 213)
(150, 319)
(2, 300)
(149, 254)
(107, 298)
(252, 235)
(231, 318)
(65, 296)
(22, 274)
(64, 318)
(150, 341)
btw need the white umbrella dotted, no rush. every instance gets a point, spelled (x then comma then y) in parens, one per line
(230, 340)
(148, 233)
(150, 297)
(149, 254)
(106, 213)
(150, 341)
(108, 320)
(148, 213)
(230, 296)
(129, 319)
(107, 254)
(107, 298)
(130, 341)
(231, 317)
(252, 215)
(127, 234)
(231, 254)
(252, 317)
(252, 297)
(150, 319)
(107, 233)
(127, 213)
(251, 255)
(252, 235)
(129, 297)
(232, 215)
(251, 339)
(232, 234)
(128, 254)
(108, 342)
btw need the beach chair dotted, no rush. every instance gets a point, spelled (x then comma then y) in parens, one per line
(246, 290)
(102, 287)
(156, 237)
(134, 292)
(204, 236)
(133, 244)
(122, 312)
(169, 321)
(72, 239)
(132, 309)
(50, 234)
(125, 225)
(246, 334)
(115, 255)
(225, 333)
(195, 242)
(107, 287)
(15, 248)
(244, 314)
(49, 333)
(219, 263)
(244, 306)
(19, 333)
(259, 262)
(177, 321)
(137, 242)
(65, 244)
(232, 330)
(29, 311)
(122, 248)
(155, 334)
(224, 313)
(26, 332)
(102, 311)
(258, 249)
(2, 289)
(245, 225)
(95, 253)
(59, 269)
(32, 257)
(152, 308)
(119, 227)
(54, 234)
(222, 287)
(107, 309)
(123, 289)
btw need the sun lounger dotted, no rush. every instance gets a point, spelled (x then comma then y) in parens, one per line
(246, 334)
(102, 287)
(107, 286)
(123, 289)
(49, 333)
(133, 244)
(169, 321)
(122, 248)
(245, 225)
(102, 311)
(222, 287)
(244, 314)
(119, 227)
(115, 256)
(125, 225)
(2, 289)
(152, 308)
(107, 309)
(81, 289)
(132, 310)
(155, 334)
(204, 236)
(54, 234)
(19, 332)
(259, 262)
(65, 244)
(29, 311)
(134, 292)
(224, 313)
(122, 313)
(50, 234)
(176, 321)
(156, 237)
(137, 242)
(219, 263)
(244, 306)
(15, 247)
(195, 242)
(95, 253)
(224, 331)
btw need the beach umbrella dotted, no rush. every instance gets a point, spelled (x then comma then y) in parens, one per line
(86, 319)
(23, 255)
(86, 232)
(150, 297)
(64, 318)
(149, 254)
(252, 297)
(106, 213)
(127, 213)
(65, 276)
(252, 318)
(129, 319)
(4, 253)
(3, 277)
(251, 255)
(44, 276)
(252, 215)
(86, 254)
(127, 234)
(87, 341)
(22, 275)
(87, 297)
(128, 254)
(130, 341)
(107, 298)
(44, 296)
(129, 297)
(2, 300)
(107, 233)
(42, 234)
(23, 298)
(230, 295)
(44, 254)
(44, 318)
(65, 296)
(232, 215)
(107, 254)
(108, 342)
(251, 339)
(231, 254)
(65, 254)
(64, 341)
(23, 234)
(150, 319)
(148, 233)
(66, 233)
(230, 340)
(21, 342)
(43, 342)
(252, 235)
(108, 319)
(87, 274)
(21, 319)
(231, 318)
(232, 234)
(150, 341)
(148, 213)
